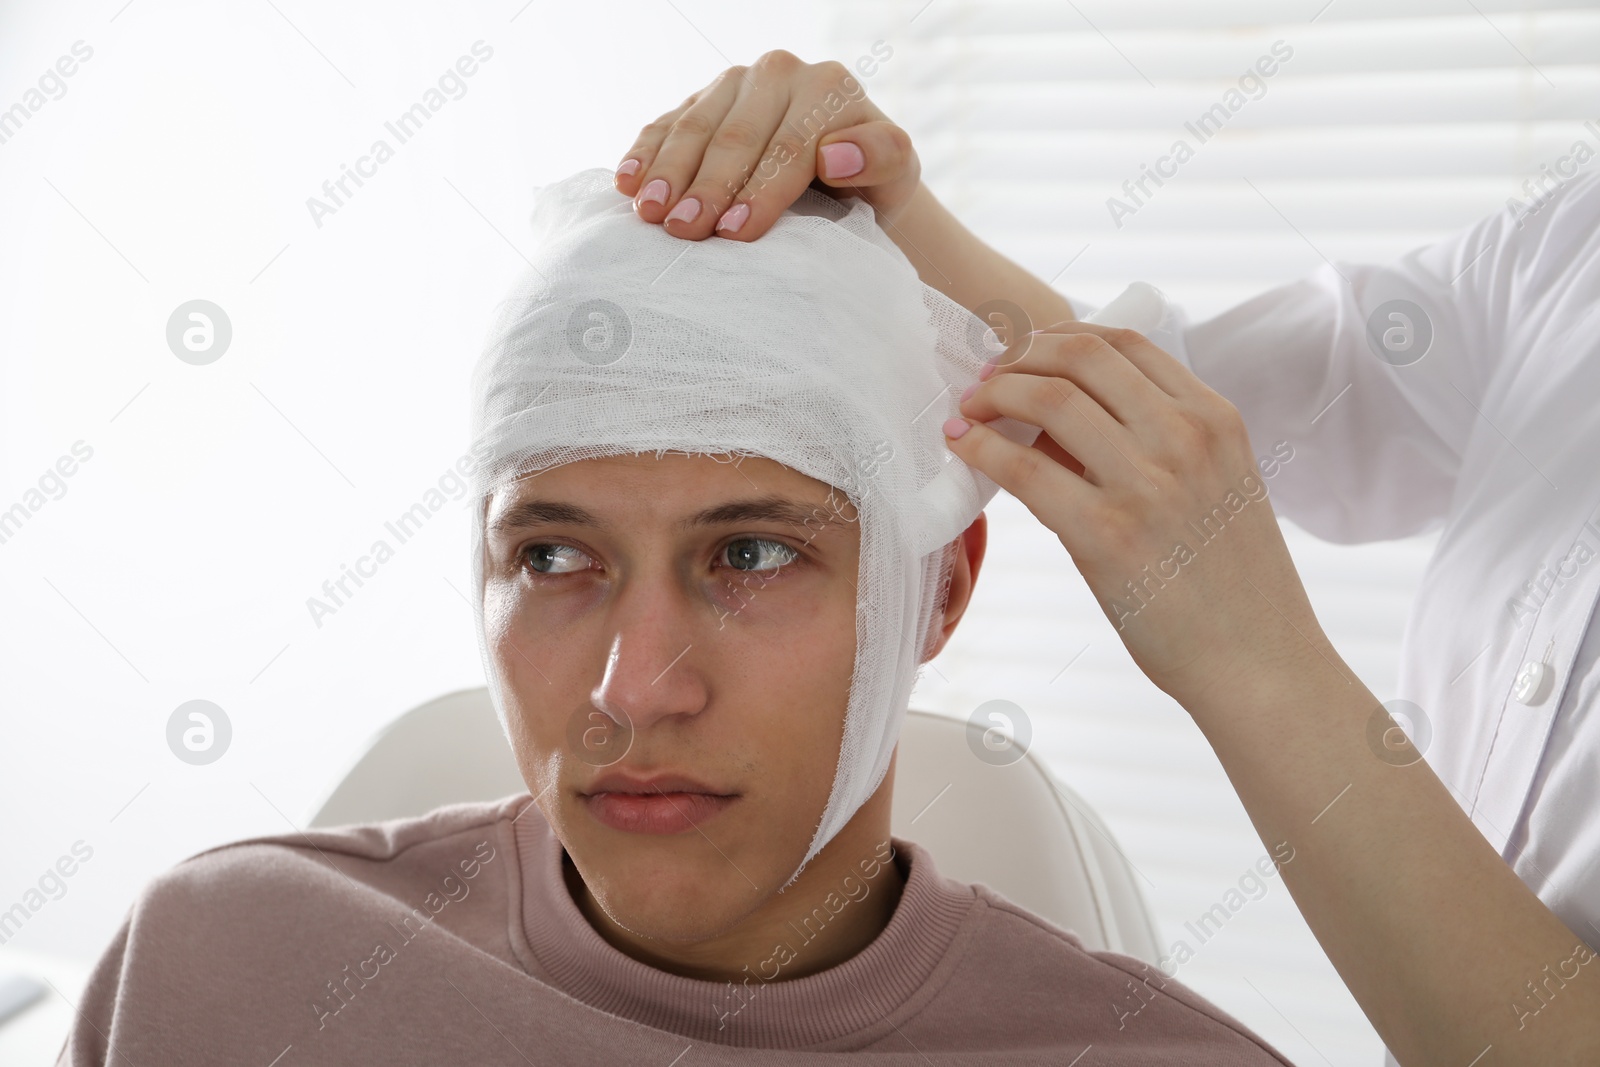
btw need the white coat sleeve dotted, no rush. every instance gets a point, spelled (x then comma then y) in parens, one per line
(1327, 365)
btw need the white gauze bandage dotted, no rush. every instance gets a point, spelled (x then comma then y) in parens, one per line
(815, 345)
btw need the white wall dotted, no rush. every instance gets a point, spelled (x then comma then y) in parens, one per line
(218, 498)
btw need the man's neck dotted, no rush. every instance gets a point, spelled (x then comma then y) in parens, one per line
(838, 905)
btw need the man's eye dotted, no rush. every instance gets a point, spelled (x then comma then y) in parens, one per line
(551, 559)
(754, 554)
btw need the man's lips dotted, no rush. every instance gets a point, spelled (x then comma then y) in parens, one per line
(659, 804)
(621, 782)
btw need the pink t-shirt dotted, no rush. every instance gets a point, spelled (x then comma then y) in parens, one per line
(452, 938)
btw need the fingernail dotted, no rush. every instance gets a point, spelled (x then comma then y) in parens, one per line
(956, 427)
(733, 218)
(987, 370)
(842, 159)
(656, 191)
(973, 388)
(629, 166)
(686, 210)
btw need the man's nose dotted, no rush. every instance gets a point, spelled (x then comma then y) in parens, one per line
(652, 664)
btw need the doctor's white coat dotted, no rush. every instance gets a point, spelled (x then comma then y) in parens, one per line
(1492, 436)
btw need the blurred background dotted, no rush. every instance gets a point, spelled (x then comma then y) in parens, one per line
(208, 502)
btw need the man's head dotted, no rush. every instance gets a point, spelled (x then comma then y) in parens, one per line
(625, 356)
(690, 616)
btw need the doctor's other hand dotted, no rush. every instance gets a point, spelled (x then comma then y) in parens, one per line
(1148, 478)
(729, 159)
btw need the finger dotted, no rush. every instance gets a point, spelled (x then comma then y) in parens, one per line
(731, 156)
(1166, 371)
(629, 175)
(829, 99)
(868, 153)
(1052, 492)
(1060, 407)
(1101, 370)
(677, 160)
(629, 180)
(1046, 444)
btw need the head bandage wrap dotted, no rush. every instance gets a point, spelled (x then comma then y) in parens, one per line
(815, 345)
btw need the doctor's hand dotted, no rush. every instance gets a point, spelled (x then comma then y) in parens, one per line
(733, 156)
(1147, 477)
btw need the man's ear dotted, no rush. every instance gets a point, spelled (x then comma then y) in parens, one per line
(965, 559)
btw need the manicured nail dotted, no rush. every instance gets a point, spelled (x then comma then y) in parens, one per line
(973, 388)
(956, 427)
(733, 218)
(686, 210)
(988, 369)
(629, 166)
(656, 191)
(842, 159)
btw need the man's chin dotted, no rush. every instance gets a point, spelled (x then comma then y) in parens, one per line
(676, 896)
(678, 915)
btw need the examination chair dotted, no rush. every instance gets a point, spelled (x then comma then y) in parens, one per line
(1013, 828)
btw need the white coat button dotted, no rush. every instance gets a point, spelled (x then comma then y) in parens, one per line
(1533, 683)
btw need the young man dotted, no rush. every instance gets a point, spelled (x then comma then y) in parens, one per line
(716, 540)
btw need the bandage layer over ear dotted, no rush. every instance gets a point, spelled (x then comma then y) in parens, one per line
(815, 345)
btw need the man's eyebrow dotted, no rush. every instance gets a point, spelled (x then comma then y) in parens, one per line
(543, 512)
(761, 509)
(755, 509)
